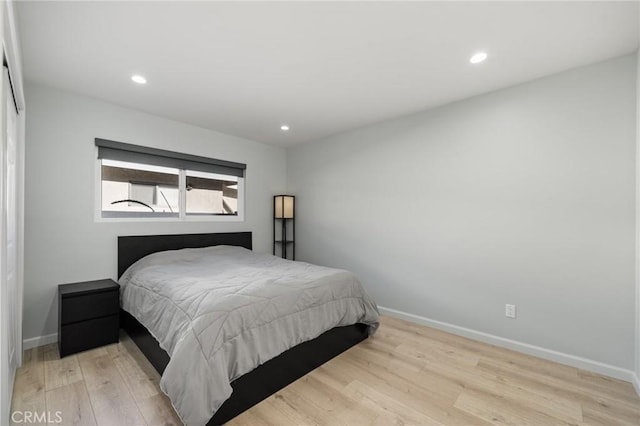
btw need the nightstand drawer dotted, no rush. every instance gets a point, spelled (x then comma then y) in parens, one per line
(81, 336)
(88, 306)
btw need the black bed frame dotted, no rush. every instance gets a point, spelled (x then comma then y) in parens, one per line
(266, 379)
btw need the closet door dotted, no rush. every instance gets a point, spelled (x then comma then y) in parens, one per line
(9, 294)
(11, 215)
(6, 378)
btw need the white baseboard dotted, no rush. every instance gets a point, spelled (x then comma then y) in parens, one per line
(34, 342)
(540, 352)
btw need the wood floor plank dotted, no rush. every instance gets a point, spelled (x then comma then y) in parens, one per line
(436, 402)
(436, 389)
(593, 415)
(434, 350)
(140, 385)
(547, 385)
(255, 417)
(285, 412)
(497, 410)
(72, 403)
(484, 350)
(333, 400)
(312, 408)
(59, 372)
(501, 387)
(608, 385)
(157, 411)
(29, 386)
(132, 349)
(274, 412)
(393, 410)
(405, 374)
(93, 353)
(439, 355)
(110, 398)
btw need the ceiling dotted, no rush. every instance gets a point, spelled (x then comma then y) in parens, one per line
(246, 68)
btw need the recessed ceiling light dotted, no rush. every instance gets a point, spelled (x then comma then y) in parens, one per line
(284, 128)
(139, 79)
(478, 57)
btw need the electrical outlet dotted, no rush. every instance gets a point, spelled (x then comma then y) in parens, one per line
(510, 311)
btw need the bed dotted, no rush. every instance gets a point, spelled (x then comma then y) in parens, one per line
(247, 388)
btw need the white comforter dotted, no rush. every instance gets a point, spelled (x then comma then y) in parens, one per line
(221, 311)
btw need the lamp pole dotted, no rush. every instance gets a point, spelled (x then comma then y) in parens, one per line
(284, 237)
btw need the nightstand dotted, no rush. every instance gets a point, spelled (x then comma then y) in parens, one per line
(88, 315)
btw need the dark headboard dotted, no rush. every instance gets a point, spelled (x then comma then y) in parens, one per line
(133, 248)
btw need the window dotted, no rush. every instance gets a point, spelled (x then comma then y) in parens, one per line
(139, 190)
(141, 182)
(210, 193)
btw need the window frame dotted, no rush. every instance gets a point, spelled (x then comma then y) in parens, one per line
(182, 202)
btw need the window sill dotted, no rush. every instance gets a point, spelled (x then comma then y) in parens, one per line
(187, 219)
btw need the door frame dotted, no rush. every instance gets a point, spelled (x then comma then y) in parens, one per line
(12, 59)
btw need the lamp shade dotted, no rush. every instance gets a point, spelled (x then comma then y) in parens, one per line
(284, 206)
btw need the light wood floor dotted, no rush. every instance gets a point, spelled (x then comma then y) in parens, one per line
(405, 374)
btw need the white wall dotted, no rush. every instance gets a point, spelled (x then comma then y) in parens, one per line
(63, 243)
(524, 196)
